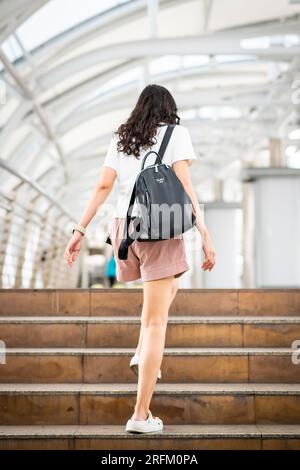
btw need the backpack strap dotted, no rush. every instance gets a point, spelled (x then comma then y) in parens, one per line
(127, 240)
(162, 148)
(165, 141)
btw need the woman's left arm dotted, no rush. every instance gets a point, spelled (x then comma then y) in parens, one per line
(181, 168)
(100, 193)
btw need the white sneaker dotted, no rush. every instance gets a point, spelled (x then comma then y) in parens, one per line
(134, 365)
(151, 424)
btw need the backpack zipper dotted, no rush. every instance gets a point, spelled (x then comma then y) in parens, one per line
(154, 165)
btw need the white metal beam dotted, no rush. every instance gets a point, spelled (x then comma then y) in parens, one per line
(29, 95)
(152, 11)
(62, 45)
(185, 100)
(207, 6)
(159, 47)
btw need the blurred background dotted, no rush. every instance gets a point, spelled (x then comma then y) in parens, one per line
(70, 73)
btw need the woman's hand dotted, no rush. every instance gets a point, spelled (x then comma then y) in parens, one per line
(209, 253)
(73, 248)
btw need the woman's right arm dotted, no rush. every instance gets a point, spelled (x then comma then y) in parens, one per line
(182, 171)
(101, 191)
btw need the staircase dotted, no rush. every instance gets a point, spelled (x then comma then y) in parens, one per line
(228, 380)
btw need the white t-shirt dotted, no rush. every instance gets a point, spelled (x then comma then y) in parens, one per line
(127, 167)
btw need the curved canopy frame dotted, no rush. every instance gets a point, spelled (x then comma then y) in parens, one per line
(233, 83)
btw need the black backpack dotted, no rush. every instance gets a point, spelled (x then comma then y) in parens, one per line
(164, 207)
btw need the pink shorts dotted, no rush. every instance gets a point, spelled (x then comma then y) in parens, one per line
(148, 260)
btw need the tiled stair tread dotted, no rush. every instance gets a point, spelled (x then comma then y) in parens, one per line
(136, 319)
(190, 431)
(34, 290)
(166, 388)
(167, 352)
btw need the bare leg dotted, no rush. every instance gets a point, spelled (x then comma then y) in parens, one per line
(175, 284)
(157, 297)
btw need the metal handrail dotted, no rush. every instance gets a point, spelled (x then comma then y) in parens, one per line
(37, 187)
(16, 238)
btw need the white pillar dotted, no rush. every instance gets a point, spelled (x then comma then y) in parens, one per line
(224, 223)
(277, 156)
(276, 235)
(248, 230)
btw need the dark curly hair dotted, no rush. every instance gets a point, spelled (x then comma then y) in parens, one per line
(155, 105)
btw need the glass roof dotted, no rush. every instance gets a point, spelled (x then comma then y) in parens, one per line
(53, 19)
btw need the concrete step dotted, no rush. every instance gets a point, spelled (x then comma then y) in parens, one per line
(182, 331)
(188, 365)
(112, 404)
(103, 302)
(173, 437)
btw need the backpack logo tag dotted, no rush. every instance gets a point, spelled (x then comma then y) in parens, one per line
(160, 180)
